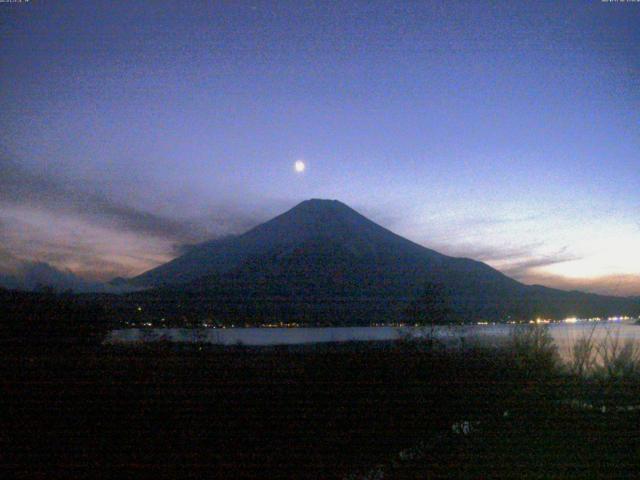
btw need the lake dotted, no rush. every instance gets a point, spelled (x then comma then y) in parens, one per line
(564, 334)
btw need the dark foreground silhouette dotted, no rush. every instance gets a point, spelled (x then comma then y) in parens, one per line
(314, 412)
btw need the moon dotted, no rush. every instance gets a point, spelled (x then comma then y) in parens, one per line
(299, 166)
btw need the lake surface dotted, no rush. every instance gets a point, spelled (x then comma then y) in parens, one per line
(564, 334)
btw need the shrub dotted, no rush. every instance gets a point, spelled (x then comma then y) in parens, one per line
(583, 356)
(533, 349)
(606, 359)
(617, 360)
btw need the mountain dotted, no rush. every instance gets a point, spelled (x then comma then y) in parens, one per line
(311, 220)
(324, 263)
(34, 276)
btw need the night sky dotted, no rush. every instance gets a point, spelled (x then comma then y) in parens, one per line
(508, 132)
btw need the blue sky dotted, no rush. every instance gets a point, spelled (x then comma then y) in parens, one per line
(508, 132)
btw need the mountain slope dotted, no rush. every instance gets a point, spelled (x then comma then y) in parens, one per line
(309, 220)
(323, 263)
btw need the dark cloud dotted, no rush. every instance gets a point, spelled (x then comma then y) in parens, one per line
(619, 285)
(520, 269)
(488, 253)
(19, 186)
(51, 219)
(518, 261)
